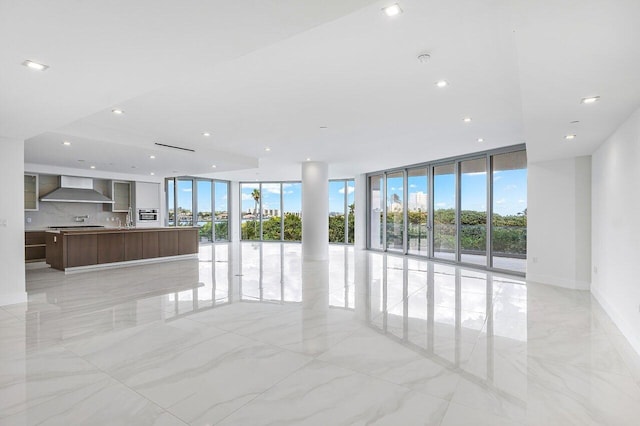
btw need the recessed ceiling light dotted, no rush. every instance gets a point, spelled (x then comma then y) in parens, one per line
(213, 166)
(152, 174)
(66, 143)
(480, 140)
(467, 119)
(206, 134)
(590, 99)
(35, 66)
(92, 167)
(442, 83)
(117, 111)
(308, 159)
(152, 157)
(81, 161)
(392, 10)
(324, 127)
(569, 137)
(133, 167)
(267, 149)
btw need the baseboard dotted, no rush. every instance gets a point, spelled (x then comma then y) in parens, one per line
(559, 282)
(629, 332)
(14, 298)
(138, 262)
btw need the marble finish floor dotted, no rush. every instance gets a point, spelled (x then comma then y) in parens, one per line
(249, 335)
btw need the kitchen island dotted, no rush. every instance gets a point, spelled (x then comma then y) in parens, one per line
(81, 249)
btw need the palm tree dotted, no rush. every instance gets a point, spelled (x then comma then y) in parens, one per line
(256, 198)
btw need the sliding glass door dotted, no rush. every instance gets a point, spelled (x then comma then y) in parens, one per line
(473, 211)
(418, 211)
(395, 211)
(444, 212)
(470, 209)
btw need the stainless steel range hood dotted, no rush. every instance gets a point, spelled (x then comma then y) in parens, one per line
(76, 190)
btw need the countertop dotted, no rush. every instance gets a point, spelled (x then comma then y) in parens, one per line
(85, 231)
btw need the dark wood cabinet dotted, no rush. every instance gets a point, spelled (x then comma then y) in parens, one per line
(110, 248)
(168, 243)
(187, 241)
(150, 245)
(82, 250)
(35, 246)
(70, 249)
(133, 248)
(55, 251)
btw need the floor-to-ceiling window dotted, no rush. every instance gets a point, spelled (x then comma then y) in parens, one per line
(376, 213)
(417, 211)
(171, 202)
(221, 194)
(473, 211)
(204, 201)
(292, 207)
(271, 211)
(250, 211)
(470, 209)
(184, 198)
(199, 202)
(341, 211)
(395, 210)
(509, 238)
(444, 212)
(351, 211)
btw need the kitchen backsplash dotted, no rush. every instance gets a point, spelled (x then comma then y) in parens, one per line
(62, 214)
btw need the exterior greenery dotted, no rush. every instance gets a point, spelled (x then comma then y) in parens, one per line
(271, 228)
(509, 232)
(293, 228)
(222, 231)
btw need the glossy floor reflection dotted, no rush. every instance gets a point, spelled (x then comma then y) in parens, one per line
(247, 335)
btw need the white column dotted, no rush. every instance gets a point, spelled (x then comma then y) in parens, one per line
(315, 211)
(12, 284)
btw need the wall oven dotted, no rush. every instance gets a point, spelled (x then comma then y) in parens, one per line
(147, 215)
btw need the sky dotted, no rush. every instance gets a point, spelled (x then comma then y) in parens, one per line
(292, 192)
(510, 192)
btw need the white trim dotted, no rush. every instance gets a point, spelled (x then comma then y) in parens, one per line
(12, 299)
(559, 282)
(127, 263)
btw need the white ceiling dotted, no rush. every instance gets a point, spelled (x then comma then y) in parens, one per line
(271, 73)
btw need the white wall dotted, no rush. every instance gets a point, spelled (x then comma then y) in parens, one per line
(559, 222)
(12, 284)
(616, 233)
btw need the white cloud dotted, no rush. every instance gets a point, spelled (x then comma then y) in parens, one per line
(350, 190)
(476, 173)
(510, 187)
(413, 186)
(247, 197)
(501, 201)
(441, 204)
(187, 190)
(522, 201)
(496, 178)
